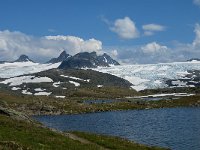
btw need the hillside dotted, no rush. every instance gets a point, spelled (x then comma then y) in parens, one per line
(68, 83)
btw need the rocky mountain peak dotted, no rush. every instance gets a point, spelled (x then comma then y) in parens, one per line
(63, 56)
(23, 58)
(88, 60)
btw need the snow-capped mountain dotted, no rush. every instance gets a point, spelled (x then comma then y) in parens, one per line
(88, 60)
(63, 56)
(148, 76)
(23, 58)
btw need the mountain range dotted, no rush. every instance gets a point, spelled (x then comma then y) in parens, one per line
(80, 60)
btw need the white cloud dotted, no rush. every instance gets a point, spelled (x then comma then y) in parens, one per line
(196, 2)
(76, 44)
(153, 27)
(148, 33)
(114, 53)
(153, 47)
(159, 53)
(150, 29)
(13, 44)
(196, 41)
(125, 28)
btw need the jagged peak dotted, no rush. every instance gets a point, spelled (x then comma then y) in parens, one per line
(23, 58)
(63, 56)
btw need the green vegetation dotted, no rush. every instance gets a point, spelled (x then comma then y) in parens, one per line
(114, 143)
(22, 135)
(37, 105)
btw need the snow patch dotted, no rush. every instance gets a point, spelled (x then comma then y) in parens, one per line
(15, 88)
(59, 96)
(99, 86)
(75, 83)
(138, 87)
(179, 83)
(39, 90)
(43, 93)
(56, 84)
(26, 92)
(75, 78)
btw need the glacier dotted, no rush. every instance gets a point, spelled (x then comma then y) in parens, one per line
(142, 76)
(8, 70)
(151, 76)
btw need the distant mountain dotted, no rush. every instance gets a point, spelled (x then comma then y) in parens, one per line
(63, 56)
(194, 59)
(88, 60)
(2, 62)
(23, 58)
(107, 59)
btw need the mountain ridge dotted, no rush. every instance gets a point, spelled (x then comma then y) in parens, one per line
(88, 60)
(63, 56)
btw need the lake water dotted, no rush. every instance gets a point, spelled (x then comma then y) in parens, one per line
(175, 128)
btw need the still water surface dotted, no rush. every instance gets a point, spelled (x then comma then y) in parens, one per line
(175, 128)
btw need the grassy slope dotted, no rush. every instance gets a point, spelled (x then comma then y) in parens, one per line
(26, 135)
(114, 143)
(22, 135)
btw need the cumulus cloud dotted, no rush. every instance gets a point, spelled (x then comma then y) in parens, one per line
(196, 41)
(13, 44)
(153, 47)
(75, 44)
(155, 52)
(196, 2)
(125, 28)
(150, 29)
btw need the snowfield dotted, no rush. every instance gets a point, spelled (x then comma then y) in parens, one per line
(25, 79)
(8, 70)
(150, 76)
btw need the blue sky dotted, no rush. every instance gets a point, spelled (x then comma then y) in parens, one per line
(168, 23)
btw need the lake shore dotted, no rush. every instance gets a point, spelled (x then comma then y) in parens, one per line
(18, 131)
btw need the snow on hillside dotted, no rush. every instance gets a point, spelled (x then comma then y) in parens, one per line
(8, 70)
(141, 76)
(14, 81)
(151, 75)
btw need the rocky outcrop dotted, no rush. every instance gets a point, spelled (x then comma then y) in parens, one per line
(14, 114)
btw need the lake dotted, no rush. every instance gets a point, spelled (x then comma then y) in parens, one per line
(175, 128)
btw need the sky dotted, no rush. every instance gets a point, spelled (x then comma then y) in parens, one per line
(131, 31)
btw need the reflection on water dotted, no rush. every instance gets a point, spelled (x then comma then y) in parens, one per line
(176, 128)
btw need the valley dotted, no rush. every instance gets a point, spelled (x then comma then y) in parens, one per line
(35, 89)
